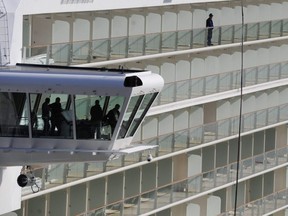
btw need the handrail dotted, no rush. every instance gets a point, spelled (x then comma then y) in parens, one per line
(199, 31)
(185, 183)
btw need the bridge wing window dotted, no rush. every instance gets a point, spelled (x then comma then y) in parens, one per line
(89, 115)
(97, 116)
(138, 107)
(13, 115)
(141, 112)
(51, 115)
(130, 114)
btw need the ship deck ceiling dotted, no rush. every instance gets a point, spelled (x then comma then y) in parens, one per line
(157, 9)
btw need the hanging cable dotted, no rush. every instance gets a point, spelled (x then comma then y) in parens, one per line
(240, 111)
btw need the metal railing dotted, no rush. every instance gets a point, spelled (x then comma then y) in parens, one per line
(138, 45)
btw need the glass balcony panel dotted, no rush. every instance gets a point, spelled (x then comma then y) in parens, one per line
(281, 199)
(168, 41)
(223, 129)
(211, 85)
(194, 185)
(152, 43)
(199, 38)
(114, 164)
(95, 168)
(184, 39)
(247, 167)
(180, 191)
(264, 30)
(274, 72)
(182, 90)
(34, 51)
(225, 82)
(250, 76)
(263, 74)
(284, 70)
(181, 139)
(236, 79)
(273, 115)
(221, 176)
(259, 163)
(210, 132)
(37, 55)
(132, 158)
(113, 209)
(261, 118)
(276, 26)
(234, 122)
(197, 87)
(233, 171)
(131, 206)
(268, 203)
(226, 34)
(166, 144)
(167, 94)
(252, 31)
(118, 47)
(271, 159)
(136, 45)
(60, 53)
(208, 181)
(248, 122)
(285, 27)
(55, 173)
(282, 155)
(238, 33)
(76, 170)
(283, 112)
(80, 52)
(100, 49)
(164, 196)
(97, 212)
(196, 136)
(147, 202)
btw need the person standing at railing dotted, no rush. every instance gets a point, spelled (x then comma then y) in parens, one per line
(209, 26)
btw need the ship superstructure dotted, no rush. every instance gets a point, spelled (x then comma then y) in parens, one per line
(219, 124)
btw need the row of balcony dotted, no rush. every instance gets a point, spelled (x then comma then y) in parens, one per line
(79, 52)
(207, 85)
(204, 182)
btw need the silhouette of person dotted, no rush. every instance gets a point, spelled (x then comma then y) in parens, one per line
(113, 116)
(46, 116)
(209, 26)
(96, 113)
(56, 116)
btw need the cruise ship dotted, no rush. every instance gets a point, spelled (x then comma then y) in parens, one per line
(217, 130)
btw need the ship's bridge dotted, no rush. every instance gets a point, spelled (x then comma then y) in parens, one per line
(54, 114)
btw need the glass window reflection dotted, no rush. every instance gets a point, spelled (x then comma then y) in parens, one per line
(13, 115)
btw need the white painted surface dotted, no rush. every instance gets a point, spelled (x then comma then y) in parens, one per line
(10, 197)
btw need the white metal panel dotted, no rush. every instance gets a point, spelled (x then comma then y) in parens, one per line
(10, 198)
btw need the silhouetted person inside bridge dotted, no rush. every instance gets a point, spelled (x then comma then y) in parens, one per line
(96, 113)
(56, 116)
(46, 116)
(113, 116)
